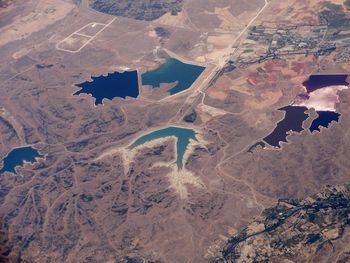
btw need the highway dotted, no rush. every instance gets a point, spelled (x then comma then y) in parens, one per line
(200, 88)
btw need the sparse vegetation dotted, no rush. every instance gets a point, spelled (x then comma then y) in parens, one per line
(5, 3)
(290, 230)
(138, 9)
(347, 3)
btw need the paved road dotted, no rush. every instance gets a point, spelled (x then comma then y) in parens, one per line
(199, 91)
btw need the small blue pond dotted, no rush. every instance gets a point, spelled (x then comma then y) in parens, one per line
(113, 85)
(173, 71)
(17, 156)
(323, 120)
(183, 136)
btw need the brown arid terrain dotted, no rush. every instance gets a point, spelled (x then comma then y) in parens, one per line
(92, 198)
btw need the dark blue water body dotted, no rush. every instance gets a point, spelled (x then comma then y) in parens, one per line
(173, 71)
(293, 121)
(323, 120)
(183, 136)
(113, 85)
(17, 156)
(316, 82)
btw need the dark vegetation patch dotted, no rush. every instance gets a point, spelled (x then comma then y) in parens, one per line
(43, 65)
(5, 3)
(347, 4)
(334, 16)
(191, 117)
(255, 145)
(291, 229)
(137, 9)
(162, 32)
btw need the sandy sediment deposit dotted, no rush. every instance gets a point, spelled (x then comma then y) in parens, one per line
(323, 99)
(178, 177)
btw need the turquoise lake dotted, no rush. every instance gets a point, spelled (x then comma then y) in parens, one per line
(17, 156)
(173, 71)
(183, 136)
